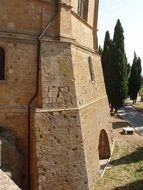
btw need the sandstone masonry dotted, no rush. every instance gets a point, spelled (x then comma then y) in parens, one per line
(52, 95)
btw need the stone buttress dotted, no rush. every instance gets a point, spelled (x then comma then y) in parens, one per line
(72, 104)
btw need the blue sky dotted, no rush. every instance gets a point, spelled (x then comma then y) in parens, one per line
(130, 13)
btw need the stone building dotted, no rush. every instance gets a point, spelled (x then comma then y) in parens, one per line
(54, 116)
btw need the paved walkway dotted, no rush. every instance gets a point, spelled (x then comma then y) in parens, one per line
(134, 117)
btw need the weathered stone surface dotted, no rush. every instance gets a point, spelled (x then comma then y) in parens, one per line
(68, 108)
(11, 159)
(6, 183)
(59, 138)
(67, 135)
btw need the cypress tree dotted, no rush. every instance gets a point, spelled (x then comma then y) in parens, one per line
(141, 80)
(106, 63)
(119, 72)
(135, 78)
(128, 70)
(100, 50)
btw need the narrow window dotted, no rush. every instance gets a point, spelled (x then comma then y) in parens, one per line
(83, 9)
(2, 64)
(91, 71)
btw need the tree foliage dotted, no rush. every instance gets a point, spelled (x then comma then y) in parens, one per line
(135, 78)
(115, 67)
(119, 69)
(100, 50)
(118, 74)
(106, 63)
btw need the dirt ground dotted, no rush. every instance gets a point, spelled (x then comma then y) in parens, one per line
(126, 171)
(118, 123)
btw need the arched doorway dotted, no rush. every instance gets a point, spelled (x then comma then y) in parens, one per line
(104, 148)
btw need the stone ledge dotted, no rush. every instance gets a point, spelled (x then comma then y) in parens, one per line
(70, 41)
(6, 183)
(18, 36)
(13, 109)
(82, 20)
(40, 110)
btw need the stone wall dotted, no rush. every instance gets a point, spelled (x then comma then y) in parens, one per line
(94, 117)
(93, 107)
(84, 31)
(90, 19)
(67, 132)
(20, 25)
(67, 146)
(60, 151)
(57, 78)
(18, 88)
(20, 71)
(26, 16)
(87, 91)
(86, 36)
(63, 152)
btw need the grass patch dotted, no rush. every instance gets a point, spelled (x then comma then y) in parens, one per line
(126, 172)
(141, 93)
(139, 105)
(127, 169)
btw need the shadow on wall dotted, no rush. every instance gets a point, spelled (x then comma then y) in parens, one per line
(120, 124)
(104, 148)
(136, 185)
(130, 158)
(11, 160)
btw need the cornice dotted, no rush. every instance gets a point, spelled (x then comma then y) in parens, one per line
(19, 36)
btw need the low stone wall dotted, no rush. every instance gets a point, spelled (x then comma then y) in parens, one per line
(6, 182)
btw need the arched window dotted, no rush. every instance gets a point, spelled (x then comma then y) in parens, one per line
(91, 71)
(2, 63)
(83, 9)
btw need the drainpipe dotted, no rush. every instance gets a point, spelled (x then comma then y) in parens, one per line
(36, 93)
